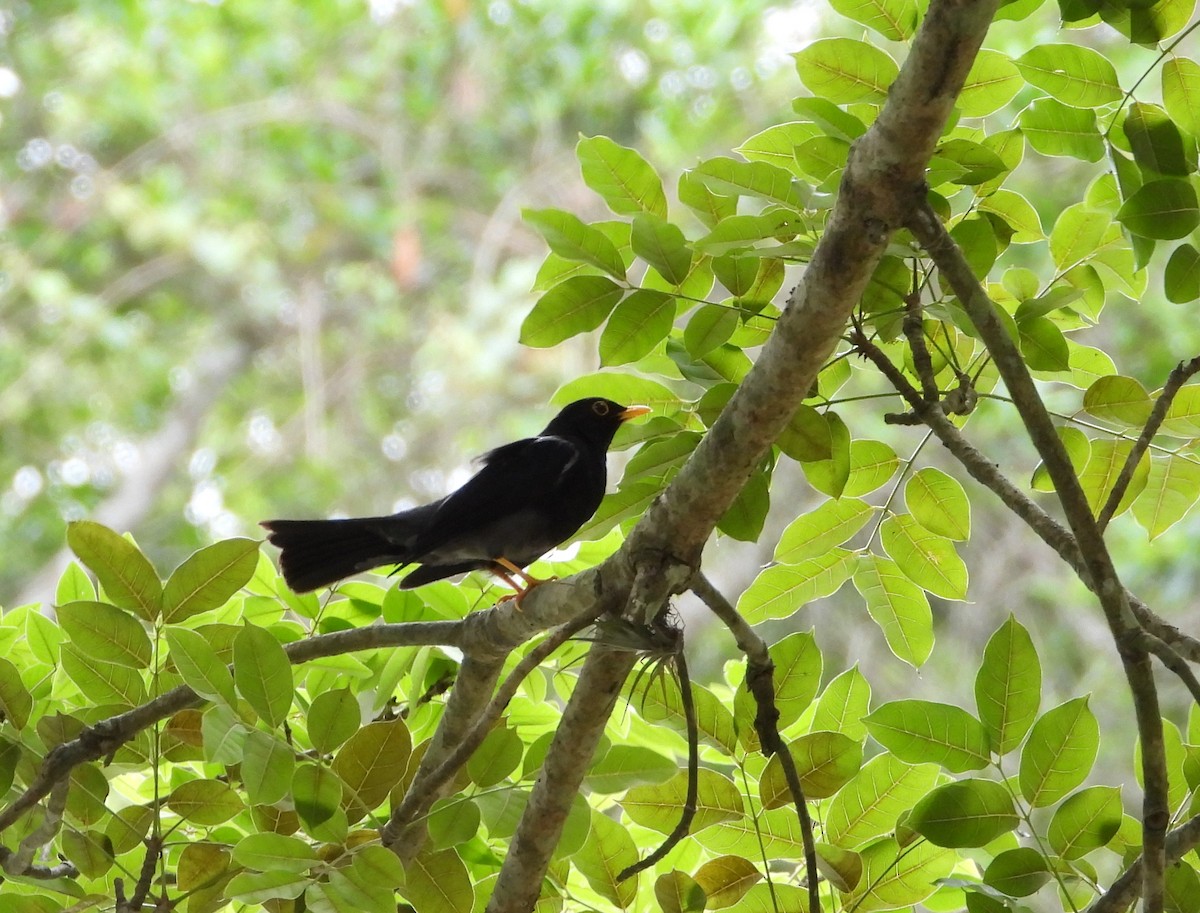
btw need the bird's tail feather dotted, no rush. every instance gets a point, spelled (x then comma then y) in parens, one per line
(316, 553)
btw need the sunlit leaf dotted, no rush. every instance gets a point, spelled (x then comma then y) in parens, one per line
(1085, 821)
(1008, 686)
(926, 731)
(898, 605)
(626, 181)
(209, 578)
(576, 305)
(991, 83)
(1053, 128)
(1059, 753)
(964, 813)
(128, 578)
(263, 673)
(844, 70)
(1164, 209)
(1072, 73)
(569, 237)
(638, 324)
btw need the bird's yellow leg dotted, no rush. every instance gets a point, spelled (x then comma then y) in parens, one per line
(505, 569)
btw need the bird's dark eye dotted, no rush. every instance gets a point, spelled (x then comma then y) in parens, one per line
(600, 408)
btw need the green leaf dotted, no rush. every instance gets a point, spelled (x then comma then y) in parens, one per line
(797, 674)
(371, 763)
(274, 853)
(780, 590)
(1119, 399)
(992, 82)
(1164, 209)
(259, 887)
(1085, 821)
(813, 534)
(1172, 488)
(829, 117)
(199, 665)
(333, 716)
(1181, 280)
(843, 704)
(726, 880)
(1018, 872)
(966, 813)
(209, 578)
(74, 586)
(1008, 686)
(638, 324)
(872, 463)
(660, 701)
(1181, 93)
(1157, 144)
(497, 757)
(895, 20)
(1059, 753)
(657, 806)
(844, 70)
(745, 517)
(1017, 212)
(453, 821)
(1043, 345)
(927, 731)
(15, 700)
(1104, 466)
(106, 633)
(895, 877)
(777, 145)
(103, 683)
(205, 802)
(825, 762)
(1053, 128)
(709, 327)
(868, 806)
(677, 892)
(822, 158)
(928, 560)
(438, 882)
(316, 794)
(268, 765)
(128, 578)
(607, 851)
(663, 246)
(978, 162)
(574, 306)
(736, 233)
(625, 180)
(1072, 73)
(937, 501)
(263, 673)
(729, 177)
(808, 436)
(624, 766)
(898, 606)
(711, 208)
(569, 237)
(831, 476)
(1077, 235)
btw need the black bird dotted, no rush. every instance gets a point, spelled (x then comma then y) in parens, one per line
(528, 497)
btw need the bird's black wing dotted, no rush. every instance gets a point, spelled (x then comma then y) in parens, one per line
(515, 477)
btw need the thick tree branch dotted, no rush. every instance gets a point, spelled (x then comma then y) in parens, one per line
(1123, 624)
(418, 801)
(882, 182)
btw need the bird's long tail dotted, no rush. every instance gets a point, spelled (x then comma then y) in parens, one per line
(316, 553)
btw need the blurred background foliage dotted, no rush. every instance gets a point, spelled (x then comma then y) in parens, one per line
(266, 259)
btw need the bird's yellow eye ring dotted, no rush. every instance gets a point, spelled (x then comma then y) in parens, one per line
(600, 408)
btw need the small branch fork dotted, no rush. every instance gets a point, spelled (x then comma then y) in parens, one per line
(1138, 633)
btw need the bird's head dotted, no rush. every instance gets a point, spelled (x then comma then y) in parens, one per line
(594, 419)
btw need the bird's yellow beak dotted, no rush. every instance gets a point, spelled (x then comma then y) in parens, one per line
(633, 412)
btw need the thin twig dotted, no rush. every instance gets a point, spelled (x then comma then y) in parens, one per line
(1179, 375)
(693, 775)
(760, 683)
